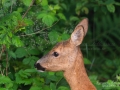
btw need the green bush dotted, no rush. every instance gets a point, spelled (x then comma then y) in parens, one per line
(30, 28)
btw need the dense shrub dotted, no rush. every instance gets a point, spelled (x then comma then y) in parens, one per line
(30, 28)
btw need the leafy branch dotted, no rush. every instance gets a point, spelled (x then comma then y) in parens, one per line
(28, 9)
(40, 30)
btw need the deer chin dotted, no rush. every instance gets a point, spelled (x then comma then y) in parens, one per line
(41, 71)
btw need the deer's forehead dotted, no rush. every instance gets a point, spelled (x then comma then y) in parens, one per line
(62, 46)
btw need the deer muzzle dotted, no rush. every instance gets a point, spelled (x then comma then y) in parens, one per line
(39, 67)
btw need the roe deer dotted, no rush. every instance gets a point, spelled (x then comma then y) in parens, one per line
(66, 56)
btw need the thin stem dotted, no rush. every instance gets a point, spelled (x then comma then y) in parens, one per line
(59, 81)
(2, 9)
(11, 6)
(40, 30)
(6, 64)
(2, 51)
(2, 72)
(28, 9)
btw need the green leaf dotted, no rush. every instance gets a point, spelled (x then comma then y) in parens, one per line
(22, 77)
(46, 87)
(59, 74)
(10, 34)
(53, 36)
(52, 77)
(93, 77)
(6, 3)
(30, 70)
(52, 86)
(64, 6)
(26, 60)
(15, 86)
(74, 18)
(48, 20)
(86, 61)
(44, 2)
(57, 7)
(30, 60)
(16, 41)
(36, 88)
(28, 81)
(20, 52)
(3, 88)
(63, 88)
(41, 15)
(51, 73)
(12, 54)
(23, 74)
(15, 20)
(111, 83)
(78, 7)
(20, 9)
(18, 78)
(28, 22)
(111, 8)
(33, 51)
(85, 9)
(28, 2)
(109, 2)
(4, 79)
(17, 15)
(9, 85)
(61, 16)
(65, 36)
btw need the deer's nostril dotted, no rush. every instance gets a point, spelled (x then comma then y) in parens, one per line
(39, 67)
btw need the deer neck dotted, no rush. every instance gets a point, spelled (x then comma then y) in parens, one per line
(76, 76)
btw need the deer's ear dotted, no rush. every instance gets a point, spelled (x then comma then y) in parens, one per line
(79, 32)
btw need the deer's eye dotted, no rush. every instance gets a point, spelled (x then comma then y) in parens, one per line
(55, 54)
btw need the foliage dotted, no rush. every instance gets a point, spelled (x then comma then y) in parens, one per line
(30, 28)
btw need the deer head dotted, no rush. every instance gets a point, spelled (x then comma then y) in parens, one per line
(63, 54)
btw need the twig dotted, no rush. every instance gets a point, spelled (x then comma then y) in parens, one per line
(40, 30)
(6, 64)
(2, 72)
(28, 9)
(59, 81)
(2, 8)
(3, 49)
(11, 6)
(92, 63)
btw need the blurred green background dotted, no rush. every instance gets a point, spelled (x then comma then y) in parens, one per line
(30, 28)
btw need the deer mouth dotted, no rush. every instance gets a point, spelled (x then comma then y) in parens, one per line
(39, 67)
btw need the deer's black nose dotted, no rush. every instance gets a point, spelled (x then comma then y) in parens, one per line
(39, 67)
